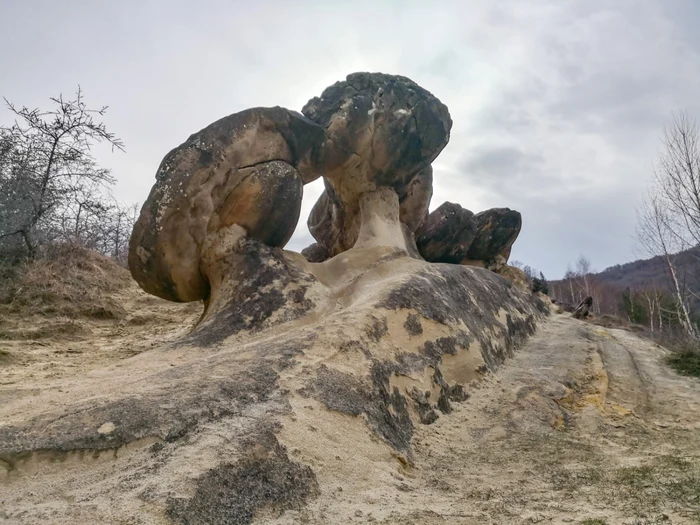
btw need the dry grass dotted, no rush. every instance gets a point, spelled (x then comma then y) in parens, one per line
(70, 282)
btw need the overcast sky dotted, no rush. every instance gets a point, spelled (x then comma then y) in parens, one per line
(558, 105)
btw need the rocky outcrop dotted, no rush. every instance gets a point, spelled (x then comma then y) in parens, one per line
(295, 365)
(496, 231)
(455, 235)
(315, 253)
(247, 169)
(298, 361)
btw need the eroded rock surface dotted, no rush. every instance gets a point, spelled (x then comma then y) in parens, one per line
(304, 372)
(247, 169)
(296, 364)
(496, 231)
(393, 129)
(446, 234)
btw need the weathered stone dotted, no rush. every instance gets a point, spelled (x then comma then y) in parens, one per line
(383, 131)
(446, 234)
(232, 493)
(278, 360)
(315, 253)
(247, 169)
(496, 232)
(292, 363)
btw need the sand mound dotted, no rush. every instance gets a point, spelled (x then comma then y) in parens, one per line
(76, 310)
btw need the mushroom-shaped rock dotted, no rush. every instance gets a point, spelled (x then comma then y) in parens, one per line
(246, 169)
(382, 131)
(496, 231)
(446, 234)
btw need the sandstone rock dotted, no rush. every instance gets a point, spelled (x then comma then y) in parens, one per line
(247, 168)
(293, 363)
(315, 253)
(446, 234)
(383, 131)
(497, 230)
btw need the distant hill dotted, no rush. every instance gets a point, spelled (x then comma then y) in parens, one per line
(638, 275)
(652, 272)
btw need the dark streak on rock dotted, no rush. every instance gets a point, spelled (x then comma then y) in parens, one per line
(378, 329)
(262, 278)
(386, 411)
(231, 493)
(413, 325)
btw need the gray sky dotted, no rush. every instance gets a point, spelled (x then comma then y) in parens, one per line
(558, 105)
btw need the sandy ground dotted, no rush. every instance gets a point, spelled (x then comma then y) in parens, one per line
(584, 425)
(38, 348)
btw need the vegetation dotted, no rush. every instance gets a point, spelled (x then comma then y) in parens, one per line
(71, 281)
(536, 279)
(686, 362)
(51, 188)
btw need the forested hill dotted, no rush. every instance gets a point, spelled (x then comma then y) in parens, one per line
(652, 273)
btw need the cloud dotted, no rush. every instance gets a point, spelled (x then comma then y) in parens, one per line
(558, 105)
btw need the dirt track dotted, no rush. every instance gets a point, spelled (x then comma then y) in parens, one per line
(584, 423)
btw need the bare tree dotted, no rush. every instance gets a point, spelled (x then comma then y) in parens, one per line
(677, 178)
(657, 236)
(44, 157)
(583, 270)
(570, 277)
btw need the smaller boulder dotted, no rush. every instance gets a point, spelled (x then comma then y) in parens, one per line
(315, 253)
(496, 231)
(446, 234)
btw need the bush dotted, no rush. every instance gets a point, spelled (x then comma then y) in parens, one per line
(686, 363)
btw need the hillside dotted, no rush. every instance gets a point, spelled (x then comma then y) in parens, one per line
(642, 278)
(76, 311)
(651, 272)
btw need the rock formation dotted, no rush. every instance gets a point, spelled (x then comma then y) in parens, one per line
(446, 234)
(496, 231)
(394, 129)
(247, 169)
(292, 361)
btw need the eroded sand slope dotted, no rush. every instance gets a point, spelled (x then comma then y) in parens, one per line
(583, 422)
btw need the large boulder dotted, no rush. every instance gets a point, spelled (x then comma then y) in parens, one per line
(247, 169)
(383, 131)
(496, 231)
(446, 234)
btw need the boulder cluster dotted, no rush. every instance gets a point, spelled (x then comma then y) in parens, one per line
(372, 137)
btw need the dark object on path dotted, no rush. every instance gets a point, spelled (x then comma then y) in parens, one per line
(581, 311)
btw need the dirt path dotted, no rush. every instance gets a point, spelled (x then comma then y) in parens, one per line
(584, 423)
